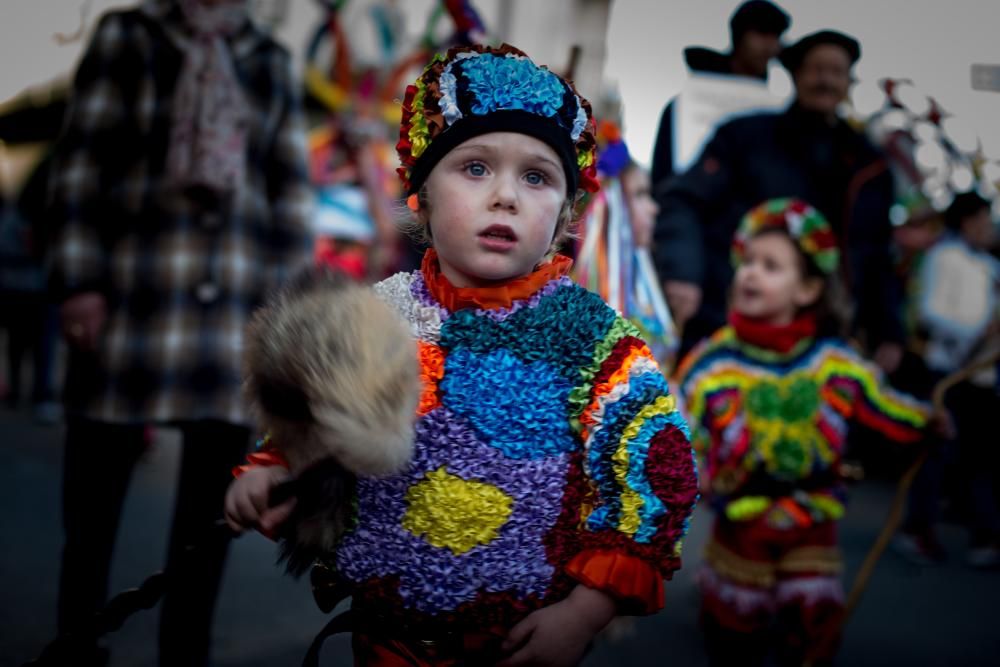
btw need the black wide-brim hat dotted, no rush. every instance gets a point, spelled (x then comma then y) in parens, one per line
(791, 56)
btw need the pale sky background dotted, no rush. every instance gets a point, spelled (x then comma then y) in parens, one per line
(932, 42)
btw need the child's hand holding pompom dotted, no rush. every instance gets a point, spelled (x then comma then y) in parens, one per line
(247, 502)
(332, 373)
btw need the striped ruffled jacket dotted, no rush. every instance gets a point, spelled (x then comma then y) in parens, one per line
(770, 427)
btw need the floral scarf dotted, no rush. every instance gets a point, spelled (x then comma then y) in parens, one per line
(210, 118)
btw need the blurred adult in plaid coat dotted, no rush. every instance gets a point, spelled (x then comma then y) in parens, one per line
(179, 197)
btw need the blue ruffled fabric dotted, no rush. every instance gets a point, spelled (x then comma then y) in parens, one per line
(643, 390)
(488, 389)
(505, 83)
(580, 318)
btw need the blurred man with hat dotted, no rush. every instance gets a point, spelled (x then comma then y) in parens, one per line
(806, 151)
(755, 30)
(820, 65)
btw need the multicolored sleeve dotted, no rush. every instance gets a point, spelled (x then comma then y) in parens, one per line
(639, 470)
(857, 390)
(712, 383)
(690, 384)
(265, 454)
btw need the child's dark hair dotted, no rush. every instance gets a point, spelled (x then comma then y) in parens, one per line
(964, 206)
(833, 309)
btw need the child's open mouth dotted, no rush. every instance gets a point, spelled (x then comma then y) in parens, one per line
(498, 237)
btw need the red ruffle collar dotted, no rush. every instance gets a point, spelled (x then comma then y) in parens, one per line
(781, 338)
(502, 295)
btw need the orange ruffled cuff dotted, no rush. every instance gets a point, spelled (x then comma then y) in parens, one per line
(634, 583)
(264, 457)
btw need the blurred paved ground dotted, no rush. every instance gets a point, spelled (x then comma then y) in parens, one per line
(909, 616)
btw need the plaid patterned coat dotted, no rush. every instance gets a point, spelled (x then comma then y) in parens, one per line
(181, 277)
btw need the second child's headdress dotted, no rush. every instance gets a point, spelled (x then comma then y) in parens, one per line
(804, 224)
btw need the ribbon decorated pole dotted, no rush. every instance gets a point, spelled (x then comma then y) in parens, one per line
(611, 264)
(356, 114)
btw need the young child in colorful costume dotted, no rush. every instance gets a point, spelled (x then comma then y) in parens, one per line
(552, 478)
(769, 398)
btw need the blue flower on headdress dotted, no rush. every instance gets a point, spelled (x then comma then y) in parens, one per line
(509, 82)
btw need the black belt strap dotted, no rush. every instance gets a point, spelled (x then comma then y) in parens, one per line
(343, 622)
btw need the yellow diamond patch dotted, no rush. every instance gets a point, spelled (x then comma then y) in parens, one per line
(456, 513)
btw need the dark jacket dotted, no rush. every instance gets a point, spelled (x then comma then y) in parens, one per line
(700, 61)
(787, 154)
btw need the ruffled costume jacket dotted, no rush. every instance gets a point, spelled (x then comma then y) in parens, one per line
(769, 410)
(548, 453)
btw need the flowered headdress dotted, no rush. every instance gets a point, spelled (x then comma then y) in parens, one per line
(807, 227)
(613, 156)
(476, 89)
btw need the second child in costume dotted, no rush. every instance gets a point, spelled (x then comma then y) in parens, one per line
(770, 398)
(552, 478)
(612, 251)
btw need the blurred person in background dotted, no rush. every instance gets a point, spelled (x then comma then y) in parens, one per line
(611, 252)
(755, 30)
(179, 198)
(806, 151)
(958, 316)
(25, 312)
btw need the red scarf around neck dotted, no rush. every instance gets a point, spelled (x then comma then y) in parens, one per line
(778, 337)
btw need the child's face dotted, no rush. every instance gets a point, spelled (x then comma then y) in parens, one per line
(770, 284)
(978, 230)
(641, 205)
(493, 203)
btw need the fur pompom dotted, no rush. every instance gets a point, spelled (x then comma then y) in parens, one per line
(332, 374)
(332, 371)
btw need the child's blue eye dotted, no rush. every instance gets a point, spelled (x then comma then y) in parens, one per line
(535, 178)
(475, 169)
